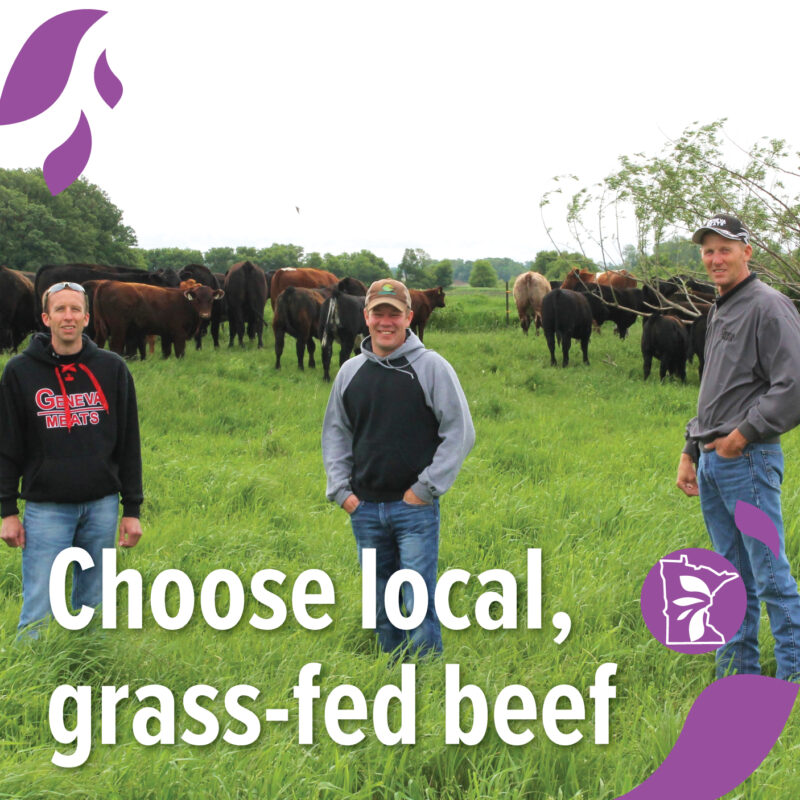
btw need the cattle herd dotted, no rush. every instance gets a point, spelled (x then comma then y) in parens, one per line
(128, 307)
(673, 312)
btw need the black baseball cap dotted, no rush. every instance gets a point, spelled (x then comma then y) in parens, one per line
(725, 225)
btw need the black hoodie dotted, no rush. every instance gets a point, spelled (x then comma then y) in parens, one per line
(87, 454)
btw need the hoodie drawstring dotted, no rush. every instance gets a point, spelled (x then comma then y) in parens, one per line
(67, 371)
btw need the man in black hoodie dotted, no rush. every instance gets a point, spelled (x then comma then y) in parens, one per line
(69, 428)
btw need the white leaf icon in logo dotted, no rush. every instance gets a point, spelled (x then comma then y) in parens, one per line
(693, 584)
(696, 625)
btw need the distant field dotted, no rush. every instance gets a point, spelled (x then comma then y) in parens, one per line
(578, 462)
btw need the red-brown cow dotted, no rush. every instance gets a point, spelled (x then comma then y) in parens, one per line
(616, 278)
(423, 301)
(172, 314)
(305, 276)
(529, 291)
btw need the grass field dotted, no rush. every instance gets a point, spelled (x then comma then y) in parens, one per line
(578, 462)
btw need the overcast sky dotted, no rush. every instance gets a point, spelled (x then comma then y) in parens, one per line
(395, 124)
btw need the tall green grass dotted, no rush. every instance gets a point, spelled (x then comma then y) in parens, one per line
(579, 462)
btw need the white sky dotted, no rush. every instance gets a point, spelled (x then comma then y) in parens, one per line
(395, 124)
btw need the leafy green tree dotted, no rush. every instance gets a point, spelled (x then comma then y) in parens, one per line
(219, 259)
(277, 256)
(313, 260)
(691, 179)
(413, 269)
(461, 269)
(442, 272)
(171, 258)
(364, 265)
(483, 274)
(245, 253)
(79, 224)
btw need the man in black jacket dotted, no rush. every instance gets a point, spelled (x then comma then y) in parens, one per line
(69, 428)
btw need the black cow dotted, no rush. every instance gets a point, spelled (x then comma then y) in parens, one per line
(666, 338)
(697, 343)
(341, 319)
(16, 308)
(297, 313)
(556, 284)
(204, 276)
(608, 303)
(246, 289)
(567, 314)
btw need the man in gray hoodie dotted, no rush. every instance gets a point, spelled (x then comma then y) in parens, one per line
(749, 396)
(396, 431)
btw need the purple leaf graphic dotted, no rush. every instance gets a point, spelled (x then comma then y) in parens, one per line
(107, 83)
(752, 521)
(67, 161)
(42, 67)
(731, 727)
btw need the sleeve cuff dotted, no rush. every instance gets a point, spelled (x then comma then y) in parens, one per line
(8, 508)
(131, 509)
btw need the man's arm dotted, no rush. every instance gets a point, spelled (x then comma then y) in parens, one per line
(337, 449)
(12, 447)
(128, 452)
(446, 398)
(687, 476)
(12, 532)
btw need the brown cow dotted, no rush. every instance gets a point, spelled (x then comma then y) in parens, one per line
(16, 308)
(172, 314)
(298, 314)
(529, 291)
(423, 301)
(576, 277)
(305, 277)
(616, 278)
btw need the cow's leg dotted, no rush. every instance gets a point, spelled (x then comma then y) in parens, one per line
(260, 332)
(215, 332)
(117, 343)
(585, 349)
(663, 370)
(300, 347)
(180, 347)
(648, 363)
(537, 321)
(312, 346)
(347, 345)
(566, 341)
(279, 337)
(551, 346)
(327, 353)
(421, 327)
(166, 346)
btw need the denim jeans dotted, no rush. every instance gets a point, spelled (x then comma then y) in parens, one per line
(51, 528)
(404, 536)
(755, 477)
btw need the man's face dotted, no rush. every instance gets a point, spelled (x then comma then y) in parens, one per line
(726, 260)
(66, 317)
(387, 327)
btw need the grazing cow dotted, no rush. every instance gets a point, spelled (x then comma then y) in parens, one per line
(49, 274)
(566, 314)
(342, 320)
(352, 286)
(246, 290)
(16, 308)
(529, 291)
(305, 277)
(423, 302)
(665, 337)
(204, 276)
(297, 313)
(617, 278)
(697, 343)
(576, 277)
(617, 305)
(172, 314)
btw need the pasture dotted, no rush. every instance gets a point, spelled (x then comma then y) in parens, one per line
(578, 462)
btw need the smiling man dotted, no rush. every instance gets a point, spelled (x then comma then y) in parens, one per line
(749, 395)
(396, 431)
(69, 428)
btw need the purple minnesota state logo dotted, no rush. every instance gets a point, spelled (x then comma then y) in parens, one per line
(38, 78)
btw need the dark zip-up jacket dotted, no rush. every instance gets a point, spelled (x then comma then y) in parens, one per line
(75, 457)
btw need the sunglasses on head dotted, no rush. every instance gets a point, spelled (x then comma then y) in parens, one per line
(58, 287)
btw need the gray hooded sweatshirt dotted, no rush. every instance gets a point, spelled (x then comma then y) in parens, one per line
(394, 423)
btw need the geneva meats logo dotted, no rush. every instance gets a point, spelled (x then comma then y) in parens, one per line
(84, 408)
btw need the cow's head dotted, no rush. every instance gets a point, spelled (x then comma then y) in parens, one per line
(201, 297)
(438, 297)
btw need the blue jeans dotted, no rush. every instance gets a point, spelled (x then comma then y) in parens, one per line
(404, 536)
(51, 528)
(755, 477)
